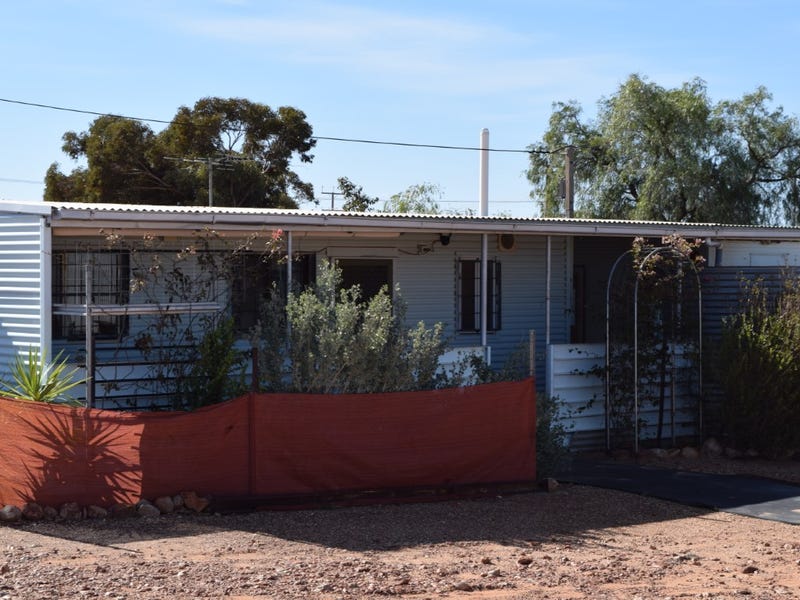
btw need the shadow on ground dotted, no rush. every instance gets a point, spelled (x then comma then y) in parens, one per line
(573, 513)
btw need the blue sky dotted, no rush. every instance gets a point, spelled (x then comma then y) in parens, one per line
(412, 71)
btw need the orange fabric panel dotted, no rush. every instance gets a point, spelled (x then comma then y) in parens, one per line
(205, 450)
(269, 444)
(56, 454)
(311, 443)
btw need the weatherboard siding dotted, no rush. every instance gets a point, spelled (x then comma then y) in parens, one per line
(428, 285)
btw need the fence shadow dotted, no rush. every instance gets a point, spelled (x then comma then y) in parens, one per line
(572, 513)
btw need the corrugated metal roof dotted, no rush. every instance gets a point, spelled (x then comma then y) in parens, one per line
(120, 212)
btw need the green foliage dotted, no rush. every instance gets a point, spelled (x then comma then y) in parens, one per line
(333, 341)
(672, 154)
(217, 370)
(422, 198)
(37, 380)
(552, 436)
(354, 197)
(251, 144)
(758, 366)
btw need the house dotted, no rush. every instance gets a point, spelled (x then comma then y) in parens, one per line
(546, 278)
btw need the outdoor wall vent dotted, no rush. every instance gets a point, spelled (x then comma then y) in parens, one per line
(506, 242)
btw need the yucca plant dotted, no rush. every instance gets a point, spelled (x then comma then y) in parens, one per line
(36, 379)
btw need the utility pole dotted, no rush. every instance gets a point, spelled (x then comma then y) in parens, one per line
(221, 162)
(332, 195)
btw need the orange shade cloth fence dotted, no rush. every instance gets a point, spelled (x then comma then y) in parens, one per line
(269, 445)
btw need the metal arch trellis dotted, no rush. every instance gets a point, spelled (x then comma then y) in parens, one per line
(683, 260)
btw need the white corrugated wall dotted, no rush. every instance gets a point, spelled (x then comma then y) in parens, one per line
(24, 274)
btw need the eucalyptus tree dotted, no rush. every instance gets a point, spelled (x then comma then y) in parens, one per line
(239, 151)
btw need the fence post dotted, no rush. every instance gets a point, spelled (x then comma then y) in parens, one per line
(532, 352)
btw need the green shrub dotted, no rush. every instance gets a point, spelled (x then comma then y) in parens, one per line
(759, 369)
(331, 340)
(217, 368)
(552, 436)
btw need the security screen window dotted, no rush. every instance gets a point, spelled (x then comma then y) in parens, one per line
(469, 295)
(255, 278)
(110, 273)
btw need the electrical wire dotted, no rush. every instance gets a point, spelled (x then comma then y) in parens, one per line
(314, 137)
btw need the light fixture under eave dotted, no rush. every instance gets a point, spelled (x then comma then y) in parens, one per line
(444, 239)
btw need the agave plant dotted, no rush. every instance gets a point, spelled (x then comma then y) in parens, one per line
(36, 379)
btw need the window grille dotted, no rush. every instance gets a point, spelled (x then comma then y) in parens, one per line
(110, 285)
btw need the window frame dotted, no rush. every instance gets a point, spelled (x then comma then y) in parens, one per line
(253, 278)
(468, 295)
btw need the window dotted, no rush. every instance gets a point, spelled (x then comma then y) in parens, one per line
(469, 295)
(110, 285)
(369, 274)
(253, 282)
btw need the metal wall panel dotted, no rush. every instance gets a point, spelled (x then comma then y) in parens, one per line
(24, 241)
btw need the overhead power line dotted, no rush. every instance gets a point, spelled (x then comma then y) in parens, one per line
(315, 137)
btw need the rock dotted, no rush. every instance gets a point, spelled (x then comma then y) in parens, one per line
(50, 513)
(177, 501)
(690, 453)
(550, 484)
(33, 511)
(325, 588)
(486, 560)
(711, 448)
(495, 573)
(655, 453)
(673, 453)
(96, 512)
(70, 511)
(463, 586)
(165, 504)
(749, 569)
(733, 453)
(525, 560)
(10, 513)
(145, 508)
(194, 502)
(122, 511)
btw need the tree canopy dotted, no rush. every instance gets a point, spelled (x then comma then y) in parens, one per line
(674, 155)
(248, 146)
(355, 198)
(420, 198)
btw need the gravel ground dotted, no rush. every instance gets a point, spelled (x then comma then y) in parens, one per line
(574, 542)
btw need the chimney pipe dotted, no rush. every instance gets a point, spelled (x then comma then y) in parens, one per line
(484, 173)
